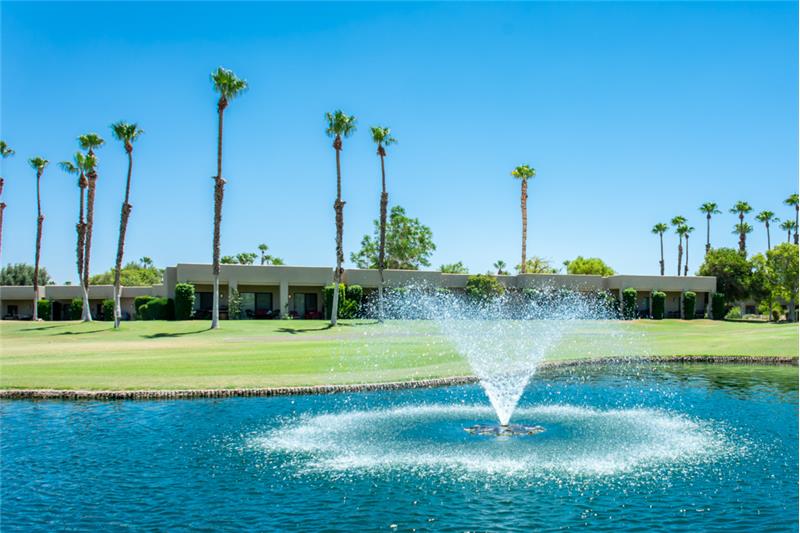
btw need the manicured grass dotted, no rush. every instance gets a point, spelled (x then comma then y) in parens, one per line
(182, 355)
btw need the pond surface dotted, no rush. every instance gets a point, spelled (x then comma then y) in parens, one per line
(681, 447)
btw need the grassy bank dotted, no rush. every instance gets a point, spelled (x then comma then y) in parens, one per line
(177, 355)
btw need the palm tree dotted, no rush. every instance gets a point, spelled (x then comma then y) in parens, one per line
(742, 208)
(788, 226)
(229, 87)
(127, 133)
(709, 208)
(263, 249)
(5, 152)
(79, 167)
(659, 229)
(339, 125)
(687, 231)
(766, 217)
(500, 266)
(742, 229)
(89, 142)
(795, 201)
(677, 222)
(524, 173)
(38, 164)
(383, 138)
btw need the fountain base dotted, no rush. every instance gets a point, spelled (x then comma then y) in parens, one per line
(500, 430)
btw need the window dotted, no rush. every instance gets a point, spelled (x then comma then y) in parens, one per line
(204, 301)
(263, 301)
(13, 310)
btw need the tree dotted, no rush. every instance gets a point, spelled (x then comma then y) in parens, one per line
(454, 268)
(742, 229)
(146, 262)
(21, 274)
(766, 217)
(133, 274)
(229, 260)
(81, 165)
(788, 226)
(409, 244)
(783, 263)
(678, 222)
(263, 249)
(229, 87)
(794, 200)
(383, 138)
(742, 208)
(687, 231)
(127, 133)
(500, 266)
(5, 152)
(38, 164)
(731, 270)
(537, 265)
(760, 283)
(709, 208)
(524, 173)
(659, 229)
(339, 125)
(484, 287)
(89, 142)
(589, 266)
(246, 258)
(267, 259)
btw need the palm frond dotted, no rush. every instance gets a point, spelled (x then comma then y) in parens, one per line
(38, 163)
(340, 124)
(227, 84)
(5, 151)
(524, 172)
(90, 141)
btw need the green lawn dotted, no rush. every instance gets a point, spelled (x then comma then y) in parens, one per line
(180, 355)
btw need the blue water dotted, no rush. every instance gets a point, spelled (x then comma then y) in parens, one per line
(691, 447)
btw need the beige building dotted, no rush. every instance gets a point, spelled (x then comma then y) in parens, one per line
(271, 291)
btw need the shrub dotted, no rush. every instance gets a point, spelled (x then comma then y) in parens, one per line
(734, 314)
(234, 305)
(328, 292)
(689, 300)
(659, 301)
(44, 308)
(629, 304)
(483, 287)
(355, 293)
(158, 309)
(184, 301)
(348, 309)
(108, 310)
(75, 309)
(138, 302)
(718, 306)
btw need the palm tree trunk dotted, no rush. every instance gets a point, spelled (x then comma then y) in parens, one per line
(524, 207)
(39, 224)
(2, 208)
(661, 263)
(219, 192)
(708, 233)
(742, 236)
(789, 235)
(81, 230)
(686, 264)
(769, 245)
(123, 227)
(338, 206)
(680, 254)
(796, 221)
(382, 249)
(86, 311)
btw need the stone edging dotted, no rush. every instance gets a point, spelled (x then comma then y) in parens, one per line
(56, 394)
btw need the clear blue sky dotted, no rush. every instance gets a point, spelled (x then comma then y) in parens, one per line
(631, 114)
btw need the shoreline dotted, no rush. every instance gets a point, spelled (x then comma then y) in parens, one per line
(183, 394)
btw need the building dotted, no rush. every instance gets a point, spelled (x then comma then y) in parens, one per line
(270, 291)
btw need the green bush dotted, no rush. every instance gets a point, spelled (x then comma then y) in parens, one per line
(235, 305)
(734, 314)
(158, 309)
(689, 300)
(355, 293)
(718, 306)
(328, 293)
(138, 302)
(184, 301)
(629, 304)
(75, 309)
(484, 287)
(348, 309)
(44, 308)
(659, 302)
(108, 310)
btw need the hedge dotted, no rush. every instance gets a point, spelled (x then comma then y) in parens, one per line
(108, 310)
(184, 301)
(75, 309)
(483, 287)
(158, 309)
(44, 308)
(328, 294)
(629, 304)
(689, 299)
(355, 293)
(659, 303)
(718, 306)
(140, 301)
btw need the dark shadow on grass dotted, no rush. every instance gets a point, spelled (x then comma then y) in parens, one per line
(44, 328)
(82, 332)
(168, 335)
(295, 331)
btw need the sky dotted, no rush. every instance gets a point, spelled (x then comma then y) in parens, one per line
(631, 113)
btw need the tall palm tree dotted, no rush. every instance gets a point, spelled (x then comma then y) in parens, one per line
(524, 173)
(677, 222)
(709, 208)
(339, 125)
(127, 133)
(500, 266)
(687, 230)
(89, 142)
(788, 226)
(383, 138)
(659, 229)
(79, 166)
(795, 201)
(5, 152)
(742, 208)
(742, 229)
(766, 217)
(38, 164)
(263, 249)
(229, 87)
